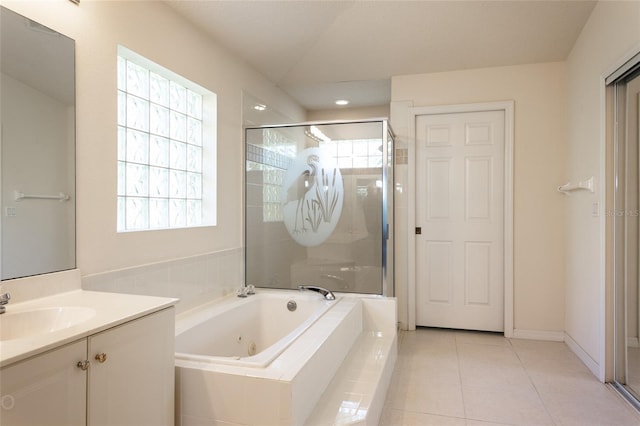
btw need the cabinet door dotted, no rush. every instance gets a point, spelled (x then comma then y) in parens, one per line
(133, 385)
(48, 389)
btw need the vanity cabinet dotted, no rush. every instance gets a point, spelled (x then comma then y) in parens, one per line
(131, 378)
(121, 376)
(48, 389)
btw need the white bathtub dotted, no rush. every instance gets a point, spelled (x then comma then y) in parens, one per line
(250, 331)
(296, 356)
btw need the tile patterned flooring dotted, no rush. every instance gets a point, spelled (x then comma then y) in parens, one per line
(462, 378)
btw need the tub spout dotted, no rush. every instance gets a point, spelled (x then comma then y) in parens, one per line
(323, 291)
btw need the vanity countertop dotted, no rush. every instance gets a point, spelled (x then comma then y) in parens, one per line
(111, 309)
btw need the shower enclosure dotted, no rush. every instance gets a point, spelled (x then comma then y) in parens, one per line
(319, 206)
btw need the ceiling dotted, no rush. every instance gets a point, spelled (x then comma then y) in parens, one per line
(321, 51)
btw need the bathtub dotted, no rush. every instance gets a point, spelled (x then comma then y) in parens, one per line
(253, 362)
(250, 331)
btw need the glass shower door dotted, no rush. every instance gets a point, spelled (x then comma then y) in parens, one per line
(317, 201)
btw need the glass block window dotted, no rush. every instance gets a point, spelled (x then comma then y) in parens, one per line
(165, 175)
(355, 154)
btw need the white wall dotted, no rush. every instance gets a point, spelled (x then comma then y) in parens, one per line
(539, 92)
(362, 113)
(610, 36)
(155, 31)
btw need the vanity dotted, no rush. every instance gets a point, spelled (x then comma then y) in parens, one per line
(86, 358)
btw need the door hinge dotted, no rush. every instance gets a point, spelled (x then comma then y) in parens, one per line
(418, 230)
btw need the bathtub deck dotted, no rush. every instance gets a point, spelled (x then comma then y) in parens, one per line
(356, 394)
(337, 372)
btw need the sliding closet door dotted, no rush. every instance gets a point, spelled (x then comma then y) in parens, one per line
(626, 223)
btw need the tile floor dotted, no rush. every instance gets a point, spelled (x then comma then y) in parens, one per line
(445, 377)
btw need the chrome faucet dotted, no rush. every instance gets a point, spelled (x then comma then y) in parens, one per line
(246, 290)
(4, 299)
(323, 291)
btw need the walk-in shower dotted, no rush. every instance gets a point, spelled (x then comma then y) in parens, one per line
(319, 206)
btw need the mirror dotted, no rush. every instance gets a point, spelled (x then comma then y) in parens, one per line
(37, 114)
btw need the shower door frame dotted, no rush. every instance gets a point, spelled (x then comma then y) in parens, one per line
(388, 185)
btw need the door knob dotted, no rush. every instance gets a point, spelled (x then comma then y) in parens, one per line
(83, 365)
(101, 357)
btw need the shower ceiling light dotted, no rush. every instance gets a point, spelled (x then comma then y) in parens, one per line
(259, 107)
(342, 102)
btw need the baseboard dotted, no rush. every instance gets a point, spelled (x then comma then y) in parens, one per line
(552, 336)
(586, 359)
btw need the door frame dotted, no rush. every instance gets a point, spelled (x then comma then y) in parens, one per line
(508, 108)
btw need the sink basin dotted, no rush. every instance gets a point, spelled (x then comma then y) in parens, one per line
(23, 324)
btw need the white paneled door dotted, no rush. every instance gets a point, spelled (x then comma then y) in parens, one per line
(460, 213)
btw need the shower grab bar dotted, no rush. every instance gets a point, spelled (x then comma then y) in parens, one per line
(17, 196)
(569, 187)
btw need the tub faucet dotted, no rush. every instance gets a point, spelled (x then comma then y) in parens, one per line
(4, 299)
(246, 290)
(323, 291)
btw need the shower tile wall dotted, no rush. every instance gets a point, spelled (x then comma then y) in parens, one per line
(192, 280)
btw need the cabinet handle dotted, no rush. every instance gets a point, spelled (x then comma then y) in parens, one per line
(83, 365)
(101, 357)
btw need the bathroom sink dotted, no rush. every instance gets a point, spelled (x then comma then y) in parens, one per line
(18, 325)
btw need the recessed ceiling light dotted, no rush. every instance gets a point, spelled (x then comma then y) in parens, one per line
(342, 102)
(259, 107)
